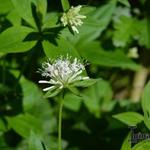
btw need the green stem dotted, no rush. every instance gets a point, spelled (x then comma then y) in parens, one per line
(60, 124)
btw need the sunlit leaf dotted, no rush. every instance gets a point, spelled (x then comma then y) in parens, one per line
(129, 118)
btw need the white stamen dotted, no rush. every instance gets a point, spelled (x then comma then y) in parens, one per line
(48, 88)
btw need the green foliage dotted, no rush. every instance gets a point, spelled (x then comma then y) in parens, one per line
(146, 105)
(129, 118)
(126, 144)
(31, 32)
(25, 11)
(35, 142)
(23, 124)
(142, 145)
(65, 4)
(96, 55)
(60, 47)
(12, 40)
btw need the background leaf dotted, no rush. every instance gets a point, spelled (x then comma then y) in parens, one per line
(65, 4)
(96, 55)
(35, 142)
(129, 118)
(144, 145)
(146, 105)
(23, 124)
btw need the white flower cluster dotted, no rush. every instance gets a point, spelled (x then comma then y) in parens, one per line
(72, 18)
(62, 72)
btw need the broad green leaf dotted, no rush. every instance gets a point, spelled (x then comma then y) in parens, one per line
(23, 7)
(65, 4)
(126, 144)
(41, 6)
(11, 40)
(85, 83)
(61, 47)
(14, 18)
(30, 99)
(144, 145)
(23, 124)
(129, 118)
(146, 105)
(72, 102)
(95, 96)
(5, 6)
(143, 32)
(125, 2)
(35, 142)
(50, 20)
(125, 29)
(96, 55)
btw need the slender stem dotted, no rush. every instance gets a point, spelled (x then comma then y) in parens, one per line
(138, 84)
(60, 124)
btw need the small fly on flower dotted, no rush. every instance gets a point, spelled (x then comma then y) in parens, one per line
(62, 73)
(72, 18)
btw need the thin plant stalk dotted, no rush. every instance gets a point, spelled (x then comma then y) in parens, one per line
(60, 125)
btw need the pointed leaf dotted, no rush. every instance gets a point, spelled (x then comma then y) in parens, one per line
(146, 105)
(129, 118)
(144, 145)
(35, 142)
(61, 47)
(23, 7)
(65, 4)
(11, 40)
(23, 124)
(85, 83)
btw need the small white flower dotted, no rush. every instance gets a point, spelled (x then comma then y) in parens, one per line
(62, 72)
(72, 18)
(133, 53)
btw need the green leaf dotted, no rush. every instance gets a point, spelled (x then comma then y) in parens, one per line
(126, 144)
(143, 32)
(125, 2)
(23, 7)
(35, 142)
(96, 95)
(30, 99)
(5, 6)
(144, 145)
(50, 20)
(11, 40)
(14, 18)
(74, 90)
(146, 105)
(52, 93)
(23, 124)
(124, 29)
(85, 83)
(129, 118)
(41, 6)
(65, 5)
(96, 55)
(62, 47)
(72, 102)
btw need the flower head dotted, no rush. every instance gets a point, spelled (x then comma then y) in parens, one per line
(62, 72)
(72, 18)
